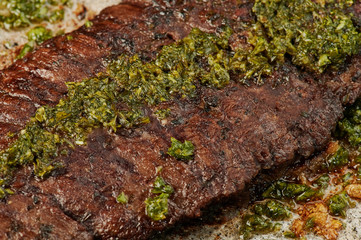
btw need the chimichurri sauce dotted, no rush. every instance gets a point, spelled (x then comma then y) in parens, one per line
(36, 36)
(92, 103)
(319, 201)
(315, 35)
(22, 13)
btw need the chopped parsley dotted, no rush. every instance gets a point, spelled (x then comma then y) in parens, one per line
(199, 59)
(157, 207)
(323, 181)
(35, 36)
(261, 217)
(160, 186)
(181, 151)
(162, 113)
(88, 24)
(39, 34)
(315, 35)
(122, 198)
(254, 223)
(175, 71)
(284, 190)
(339, 203)
(338, 159)
(92, 103)
(273, 209)
(22, 13)
(350, 126)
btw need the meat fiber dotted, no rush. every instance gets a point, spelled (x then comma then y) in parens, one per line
(236, 131)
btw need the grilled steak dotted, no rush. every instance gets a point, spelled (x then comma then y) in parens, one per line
(236, 131)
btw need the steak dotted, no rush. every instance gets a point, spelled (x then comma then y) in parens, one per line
(237, 131)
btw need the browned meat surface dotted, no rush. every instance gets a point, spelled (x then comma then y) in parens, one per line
(237, 131)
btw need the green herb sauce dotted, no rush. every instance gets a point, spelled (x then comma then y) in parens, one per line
(176, 70)
(35, 36)
(162, 113)
(88, 24)
(92, 103)
(345, 158)
(323, 181)
(254, 223)
(272, 209)
(157, 207)
(339, 203)
(338, 159)
(181, 151)
(350, 126)
(122, 198)
(198, 59)
(22, 13)
(261, 218)
(284, 190)
(315, 35)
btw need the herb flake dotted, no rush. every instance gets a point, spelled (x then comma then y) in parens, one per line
(181, 151)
